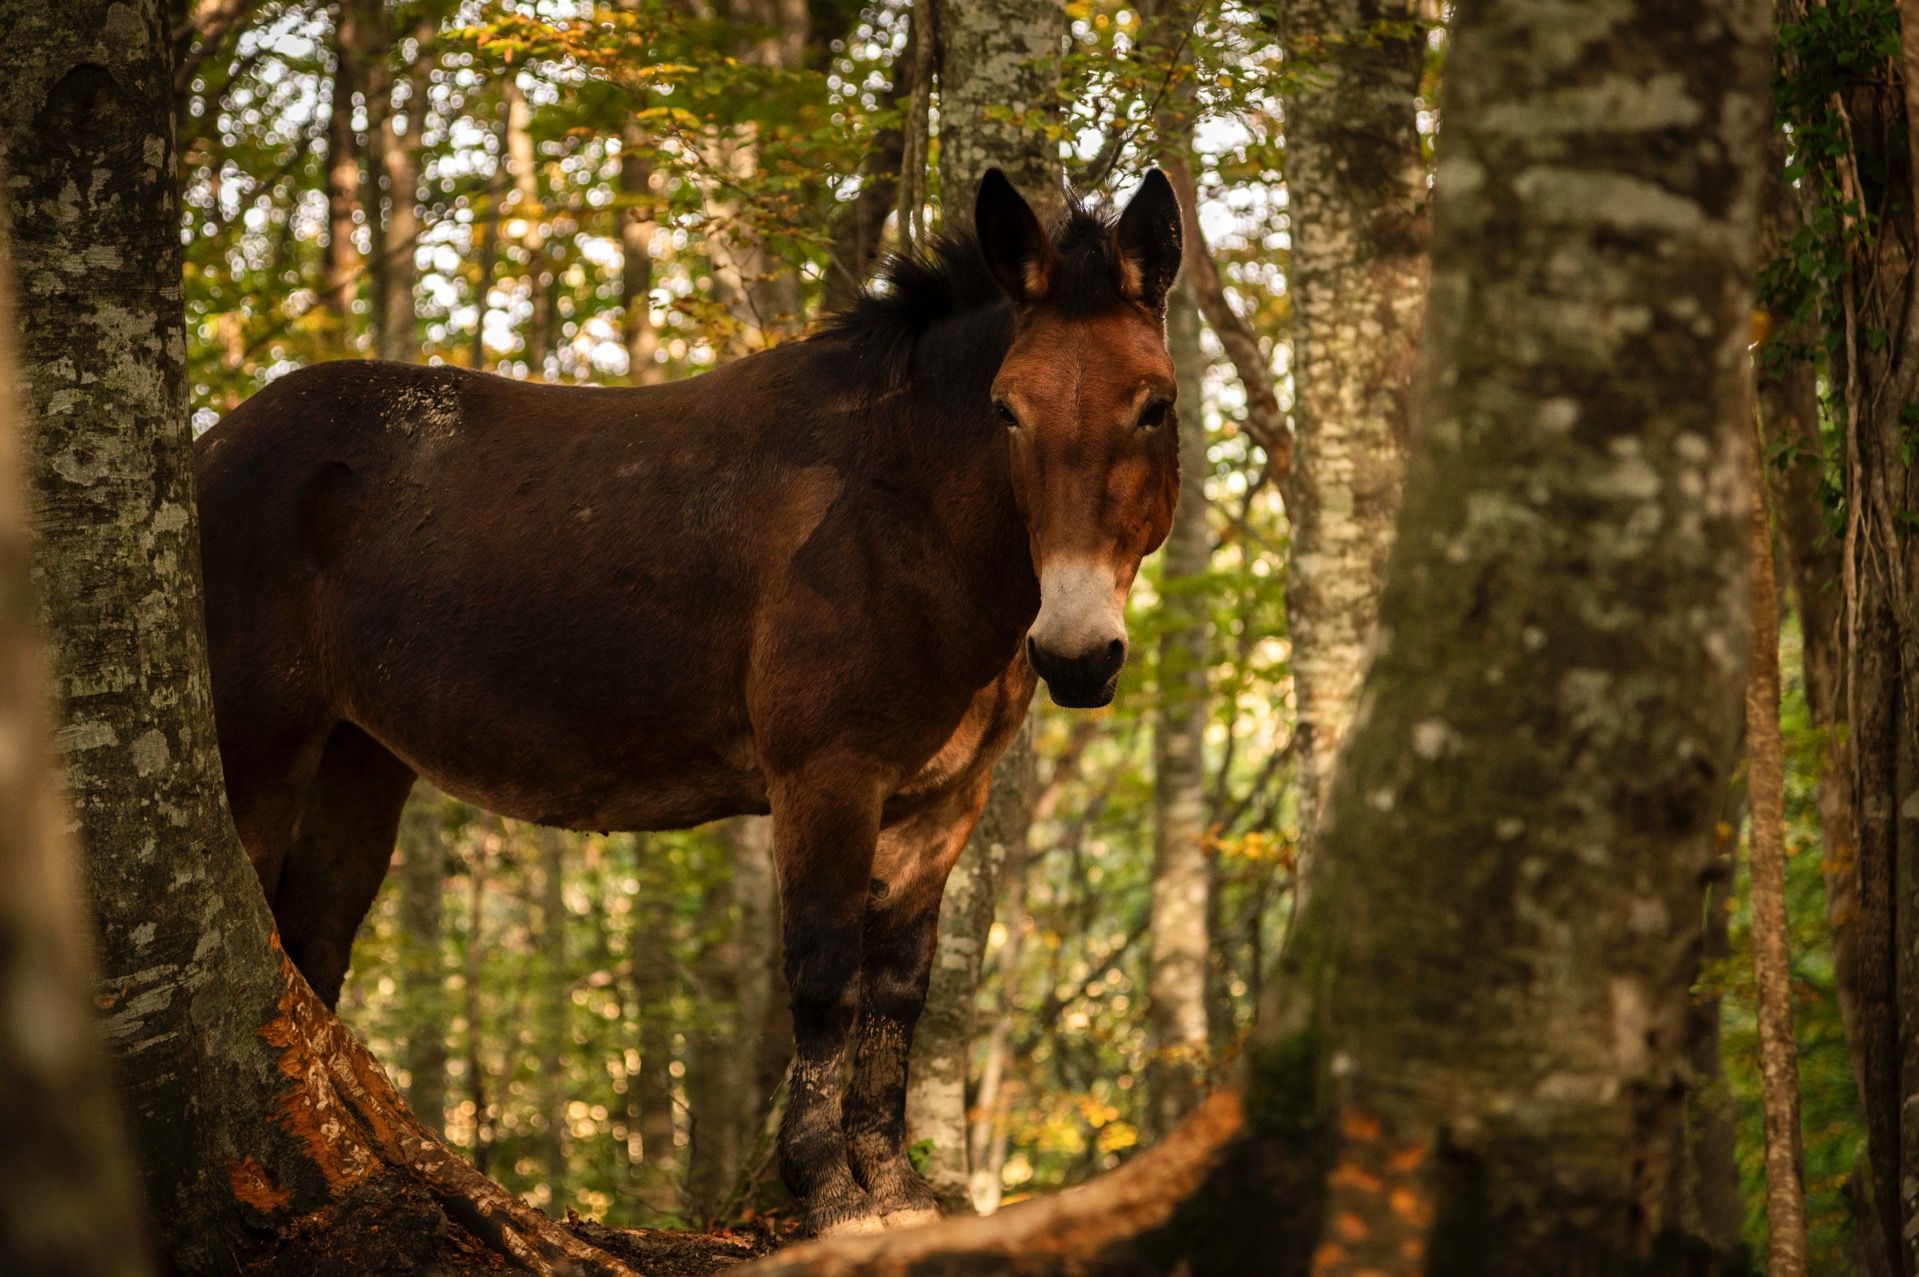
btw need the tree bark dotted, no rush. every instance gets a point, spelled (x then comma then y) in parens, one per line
(999, 65)
(400, 157)
(69, 1201)
(1356, 190)
(936, 1086)
(1474, 1056)
(556, 1031)
(421, 871)
(1874, 365)
(717, 1054)
(651, 1090)
(265, 1132)
(992, 56)
(637, 226)
(1771, 956)
(1181, 941)
(339, 266)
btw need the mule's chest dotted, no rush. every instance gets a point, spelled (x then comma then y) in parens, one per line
(983, 733)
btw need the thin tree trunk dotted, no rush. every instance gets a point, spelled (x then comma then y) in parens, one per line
(1356, 185)
(400, 156)
(475, 1061)
(936, 1089)
(765, 1031)
(1873, 363)
(1180, 940)
(339, 265)
(69, 1202)
(1771, 959)
(717, 1055)
(558, 1009)
(372, 30)
(488, 249)
(422, 885)
(652, 1090)
(522, 170)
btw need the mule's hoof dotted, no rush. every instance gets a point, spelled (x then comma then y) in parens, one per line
(856, 1226)
(911, 1217)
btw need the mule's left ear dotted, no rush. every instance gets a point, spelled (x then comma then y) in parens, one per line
(1149, 239)
(1012, 240)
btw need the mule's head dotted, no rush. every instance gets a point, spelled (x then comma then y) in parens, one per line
(1086, 396)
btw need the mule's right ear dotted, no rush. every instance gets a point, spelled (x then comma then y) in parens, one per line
(1012, 240)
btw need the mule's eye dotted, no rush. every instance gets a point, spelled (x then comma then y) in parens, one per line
(1007, 417)
(1154, 415)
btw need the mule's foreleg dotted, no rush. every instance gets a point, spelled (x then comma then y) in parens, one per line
(823, 841)
(901, 934)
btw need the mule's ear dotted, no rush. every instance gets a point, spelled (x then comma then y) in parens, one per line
(1149, 239)
(1011, 239)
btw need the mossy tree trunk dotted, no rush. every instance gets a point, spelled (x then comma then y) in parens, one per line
(1473, 1060)
(1356, 192)
(264, 1131)
(69, 1200)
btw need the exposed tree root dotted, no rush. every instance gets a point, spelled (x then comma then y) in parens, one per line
(392, 1198)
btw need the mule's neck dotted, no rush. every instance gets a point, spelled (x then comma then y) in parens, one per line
(958, 448)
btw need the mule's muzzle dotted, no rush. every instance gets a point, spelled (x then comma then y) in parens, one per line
(1079, 682)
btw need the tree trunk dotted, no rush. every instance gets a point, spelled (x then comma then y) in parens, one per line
(372, 33)
(1473, 1060)
(422, 885)
(488, 249)
(523, 171)
(998, 94)
(69, 1202)
(1182, 869)
(558, 1010)
(651, 1091)
(1356, 189)
(992, 56)
(1771, 957)
(338, 266)
(936, 1106)
(1873, 363)
(717, 1054)
(400, 154)
(264, 1130)
(766, 1027)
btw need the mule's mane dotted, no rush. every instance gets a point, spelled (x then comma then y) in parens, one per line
(949, 277)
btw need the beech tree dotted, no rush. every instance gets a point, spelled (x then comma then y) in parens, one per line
(69, 1202)
(1472, 1059)
(1356, 187)
(994, 58)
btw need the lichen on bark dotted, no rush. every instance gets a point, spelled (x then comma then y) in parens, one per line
(1356, 204)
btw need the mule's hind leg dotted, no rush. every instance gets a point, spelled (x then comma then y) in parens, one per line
(896, 963)
(340, 855)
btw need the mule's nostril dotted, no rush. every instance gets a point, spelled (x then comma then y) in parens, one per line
(1116, 650)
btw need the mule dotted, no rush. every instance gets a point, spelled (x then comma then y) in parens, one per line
(816, 582)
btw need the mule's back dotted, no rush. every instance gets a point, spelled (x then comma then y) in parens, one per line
(457, 563)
